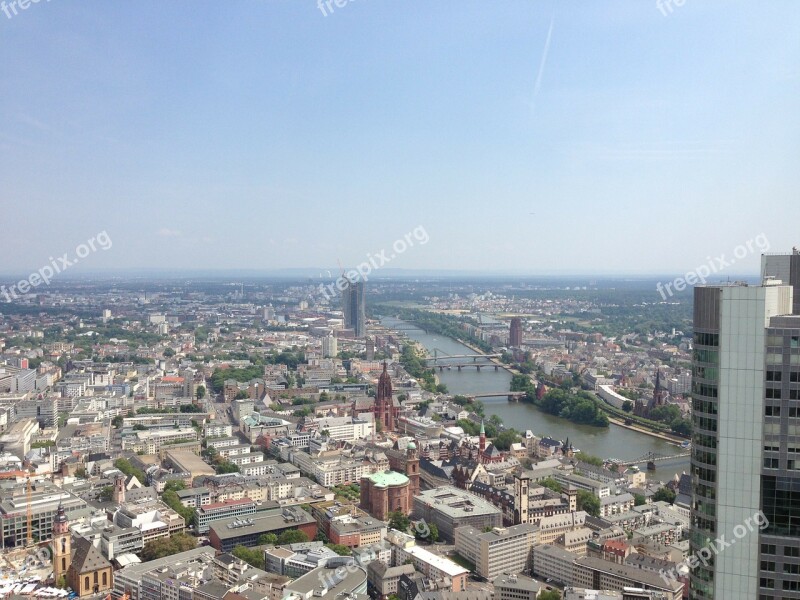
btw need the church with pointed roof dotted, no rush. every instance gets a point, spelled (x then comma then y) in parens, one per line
(386, 409)
(77, 563)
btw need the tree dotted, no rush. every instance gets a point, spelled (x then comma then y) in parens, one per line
(664, 495)
(551, 483)
(504, 439)
(550, 595)
(292, 536)
(253, 557)
(588, 502)
(399, 521)
(161, 547)
(434, 533)
(201, 392)
(223, 466)
(340, 549)
(106, 494)
(639, 500)
(169, 352)
(267, 539)
(174, 485)
(242, 395)
(627, 406)
(117, 421)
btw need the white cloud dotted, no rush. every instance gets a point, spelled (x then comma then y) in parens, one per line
(165, 232)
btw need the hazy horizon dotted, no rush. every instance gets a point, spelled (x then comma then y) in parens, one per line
(547, 137)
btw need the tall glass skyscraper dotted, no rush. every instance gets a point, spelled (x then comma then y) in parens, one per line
(353, 307)
(746, 440)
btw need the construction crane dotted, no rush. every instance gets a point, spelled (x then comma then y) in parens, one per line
(30, 513)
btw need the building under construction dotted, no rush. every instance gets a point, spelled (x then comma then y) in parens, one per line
(34, 502)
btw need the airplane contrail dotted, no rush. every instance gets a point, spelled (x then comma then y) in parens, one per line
(542, 63)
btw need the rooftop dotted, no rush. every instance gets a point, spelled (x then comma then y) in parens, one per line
(444, 565)
(455, 502)
(388, 478)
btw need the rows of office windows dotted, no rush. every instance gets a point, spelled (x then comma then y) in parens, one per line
(705, 389)
(776, 394)
(706, 339)
(772, 550)
(706, 356)
(780, 501)
(794, 376)
(778, 340)
(703, 372)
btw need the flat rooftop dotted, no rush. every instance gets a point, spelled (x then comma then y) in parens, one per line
(456, 503)
(257, 524)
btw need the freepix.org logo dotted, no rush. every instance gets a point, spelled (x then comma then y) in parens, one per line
(57, 265)
(719, 545)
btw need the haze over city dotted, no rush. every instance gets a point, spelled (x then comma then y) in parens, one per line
(372, 300)
(534, 137)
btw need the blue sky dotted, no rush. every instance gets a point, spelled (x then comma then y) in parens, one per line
(264, 134)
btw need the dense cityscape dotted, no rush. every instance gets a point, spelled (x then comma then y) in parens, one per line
(216, 439)
(349, 300)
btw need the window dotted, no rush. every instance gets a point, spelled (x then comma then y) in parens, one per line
(86, 583)
(706, 339)
(770, 463)
(772, 411)
(795, 342)
(791, 586)
(767, 583)
(768, 565)
(774, 340)
(105, 578)
(791, 569)
(768, 549)
(793, 412)
(794, 394)
(794, 377)
(793, 551)
(774, 375)
(773, 393)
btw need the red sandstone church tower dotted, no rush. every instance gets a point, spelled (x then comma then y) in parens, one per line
(385, 411)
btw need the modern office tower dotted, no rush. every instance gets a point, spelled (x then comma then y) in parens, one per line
(746, 441)
(785, 268)
(515, 333)
(353, 307)
(330, 347)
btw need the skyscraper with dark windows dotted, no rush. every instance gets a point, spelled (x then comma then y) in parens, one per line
(353, 307)
(515, 333)
(746, 438)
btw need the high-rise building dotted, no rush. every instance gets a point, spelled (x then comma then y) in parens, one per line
(330, 347)
(353, 307)
(746, 440)
(785, 268)
(515, 333)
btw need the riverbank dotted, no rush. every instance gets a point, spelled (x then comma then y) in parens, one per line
(624, 443)
(667, 437)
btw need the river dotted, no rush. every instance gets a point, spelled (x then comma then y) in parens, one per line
(611, 442)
